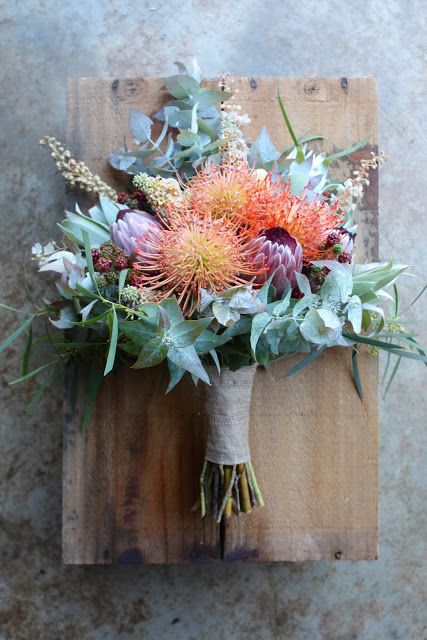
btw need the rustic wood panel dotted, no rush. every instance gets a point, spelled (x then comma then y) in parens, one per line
(130, 482)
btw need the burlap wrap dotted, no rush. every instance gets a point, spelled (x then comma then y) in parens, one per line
(226, 409)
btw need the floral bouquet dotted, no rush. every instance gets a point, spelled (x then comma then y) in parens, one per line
(220, 256)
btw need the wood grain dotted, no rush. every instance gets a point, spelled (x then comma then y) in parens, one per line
(130, 482)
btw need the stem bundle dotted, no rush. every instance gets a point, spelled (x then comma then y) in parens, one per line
(227, 489)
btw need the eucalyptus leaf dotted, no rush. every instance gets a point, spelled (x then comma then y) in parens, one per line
(66, 320)
(140, 125)
(224, 314)
(138, 331)
(152, 353)
(185, 333)
(263, 148)
(259, 324)
(182, 86)
(188, 359)
(114, 330)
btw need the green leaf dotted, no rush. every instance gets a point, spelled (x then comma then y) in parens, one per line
(87, 293)
(282, 305)
(208, 340)
(173, 311)
(208, 97)
(418, 296)
(259, 324)
(264, 149)
(39, 393)
(239, 328)
(27, 352)
(213, 354)
(15, 334)
(33, 373)
(304, 362)
(387, 346)
(176, 374)
(122, 280)
(182, 86)
(113, 342)
(188, 359)
(140, 125)
(349, 150)
(186, 332)
(263, 293)
(355, 313)
(356, 374)
(224, 314)
(139, 331)
(152, 353)
(300, 157)
(393, 373)
(187, 138)
(89, 261)
(287, 121)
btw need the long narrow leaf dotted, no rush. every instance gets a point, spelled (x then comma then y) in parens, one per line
(33, 373)
(27, 352)
(393, 373)
(387, 366)
(122, 280)
(6, 306)
(346, 152)
(15, 334)
(113, 343)
(356, 375)
(88, 256)
(304, 362)
(417, 297)
(287, 121)
(40, 391)
(396, 301)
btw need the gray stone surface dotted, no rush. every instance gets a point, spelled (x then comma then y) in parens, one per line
(43, 42)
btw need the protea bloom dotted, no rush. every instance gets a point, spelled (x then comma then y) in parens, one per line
(135, 229)
(308, 221)
(193, 253)
(278, 255)
(226, 192)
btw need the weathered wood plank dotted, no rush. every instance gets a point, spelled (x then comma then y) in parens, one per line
(130, 482)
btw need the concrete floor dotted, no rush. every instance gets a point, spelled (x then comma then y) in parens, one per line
(42, 43)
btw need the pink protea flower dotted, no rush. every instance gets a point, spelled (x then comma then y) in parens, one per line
(135, 229)
(279, 255)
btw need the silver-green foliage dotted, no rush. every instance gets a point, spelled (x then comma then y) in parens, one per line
(189, 129)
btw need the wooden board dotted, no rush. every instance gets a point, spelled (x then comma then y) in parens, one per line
(130, 482)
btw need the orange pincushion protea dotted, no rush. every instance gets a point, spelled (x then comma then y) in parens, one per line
(226, 192)
(309, 221)
(192, 253)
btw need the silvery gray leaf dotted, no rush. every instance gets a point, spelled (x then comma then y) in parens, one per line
(140, 125)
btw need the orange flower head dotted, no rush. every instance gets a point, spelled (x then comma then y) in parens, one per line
(225, 192)
(192, 253)
(309, 221)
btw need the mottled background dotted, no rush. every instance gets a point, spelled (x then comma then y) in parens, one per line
(42, 43)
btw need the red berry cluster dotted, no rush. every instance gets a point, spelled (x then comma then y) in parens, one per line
(345, 257)
(109, 260)
(135, 200)
(333, 238)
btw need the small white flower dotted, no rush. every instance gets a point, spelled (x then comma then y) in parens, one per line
(37, 250)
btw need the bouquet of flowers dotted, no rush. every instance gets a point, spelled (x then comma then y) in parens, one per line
(220, 256)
